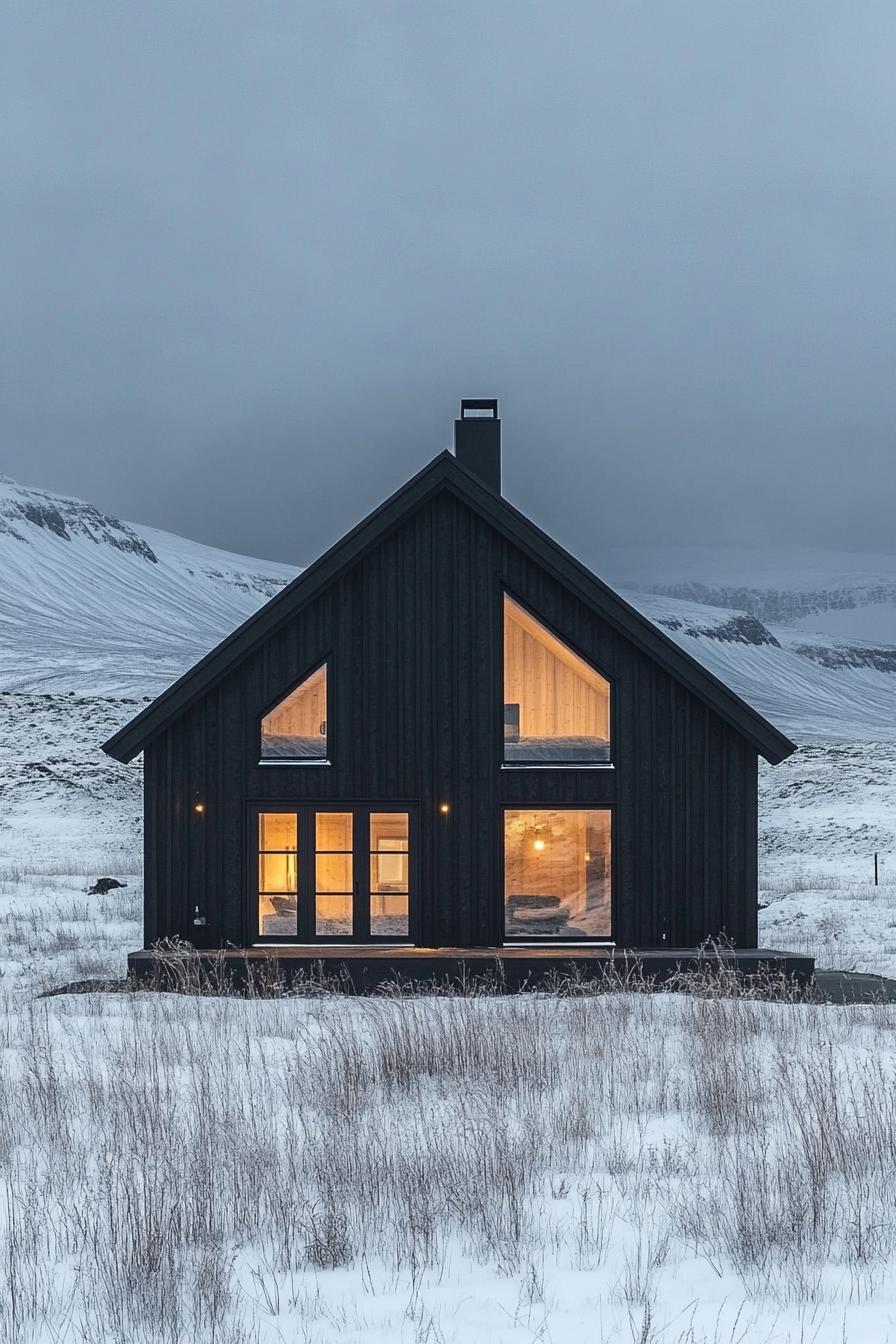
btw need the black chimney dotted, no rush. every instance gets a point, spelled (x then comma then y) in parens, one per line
(477, 439)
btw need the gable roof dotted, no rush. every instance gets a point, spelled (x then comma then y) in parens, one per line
(445, 473)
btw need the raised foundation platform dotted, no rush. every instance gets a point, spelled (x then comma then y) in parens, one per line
(364, 968)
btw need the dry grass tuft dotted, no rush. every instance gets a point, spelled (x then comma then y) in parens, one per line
(211, 1167)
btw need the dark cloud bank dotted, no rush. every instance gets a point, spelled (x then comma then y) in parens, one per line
(254, 253)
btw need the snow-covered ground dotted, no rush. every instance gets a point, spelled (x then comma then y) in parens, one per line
(68, 814)
(631, 1168)
(824, 813)
(640, 1169)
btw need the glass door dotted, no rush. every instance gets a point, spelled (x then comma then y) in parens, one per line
(334, 875)
(326, 873)
(277, 889)
(389, 888)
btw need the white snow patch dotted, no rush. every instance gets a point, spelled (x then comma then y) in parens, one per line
(94, 605)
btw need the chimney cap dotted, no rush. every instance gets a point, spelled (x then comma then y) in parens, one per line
(478, 404)
(477, 439)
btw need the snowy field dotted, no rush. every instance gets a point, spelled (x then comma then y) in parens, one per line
(648, 1169)
(657, 1169)
(823, 814)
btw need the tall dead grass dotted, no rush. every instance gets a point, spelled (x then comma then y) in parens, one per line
(207, 1168)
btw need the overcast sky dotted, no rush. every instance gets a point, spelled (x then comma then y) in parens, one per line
(253, 254)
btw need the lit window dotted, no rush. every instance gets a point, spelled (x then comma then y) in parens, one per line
(334, 874)
(557, 873)
(278, 874)
(389, 874)
(296, 730)
(556, 707)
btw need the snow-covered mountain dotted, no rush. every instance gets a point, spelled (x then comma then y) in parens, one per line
(91, 604)
(840, 594)
(97, 606)
(826, 690)
(826, 664)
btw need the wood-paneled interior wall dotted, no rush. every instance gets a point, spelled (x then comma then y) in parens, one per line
(559, 695)
(302, 712)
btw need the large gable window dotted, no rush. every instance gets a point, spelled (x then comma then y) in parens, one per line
(296, 729)
(556, 706)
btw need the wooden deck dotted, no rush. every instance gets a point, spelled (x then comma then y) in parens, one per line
(364, 968)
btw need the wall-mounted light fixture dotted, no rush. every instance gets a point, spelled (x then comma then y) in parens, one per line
(444, 808)
(199, 807)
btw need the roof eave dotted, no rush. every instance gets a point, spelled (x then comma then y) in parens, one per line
(767, 740)
(773, 745)
(131, 739)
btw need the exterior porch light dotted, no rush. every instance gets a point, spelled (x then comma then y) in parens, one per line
(199, 807)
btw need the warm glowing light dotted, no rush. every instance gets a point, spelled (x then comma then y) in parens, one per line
(587, 855)
(556, 706)
(538, 844)
(200, 807)
(444, 808)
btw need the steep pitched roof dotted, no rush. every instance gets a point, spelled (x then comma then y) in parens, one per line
(444, 472)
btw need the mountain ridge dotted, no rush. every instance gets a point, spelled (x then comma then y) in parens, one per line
(93, 604)
(835, 593)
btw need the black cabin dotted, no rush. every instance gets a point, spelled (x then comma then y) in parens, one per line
(448, 734)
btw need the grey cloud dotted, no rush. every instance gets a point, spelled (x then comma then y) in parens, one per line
(254, 254)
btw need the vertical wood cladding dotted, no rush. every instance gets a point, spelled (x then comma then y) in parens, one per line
(413, 634)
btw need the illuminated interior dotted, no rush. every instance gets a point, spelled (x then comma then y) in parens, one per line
(334, 874)
(278, 874)
(296, 730)
(556, 707)
(557, 873)
(389, 874)
(332, 891)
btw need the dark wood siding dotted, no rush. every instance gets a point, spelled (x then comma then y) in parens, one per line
(412, 631)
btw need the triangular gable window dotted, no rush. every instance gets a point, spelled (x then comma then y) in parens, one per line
(556, 706)
(296, 729)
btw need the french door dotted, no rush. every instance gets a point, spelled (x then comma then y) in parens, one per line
(331, 873)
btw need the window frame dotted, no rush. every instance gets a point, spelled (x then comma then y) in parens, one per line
(547, 940)
(253, 866)
(503, 764)
(313, 889)
(408, 853)
(306, 811)
(266, 762)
